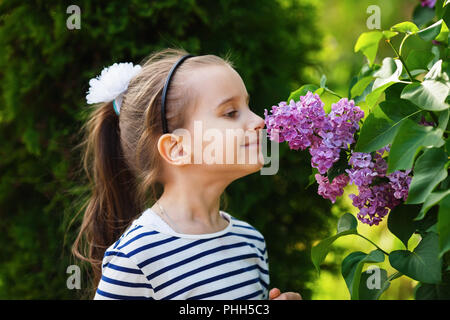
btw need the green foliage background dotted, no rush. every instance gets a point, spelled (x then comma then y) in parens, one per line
(44, 73)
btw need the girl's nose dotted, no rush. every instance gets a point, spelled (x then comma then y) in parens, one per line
(257, 122)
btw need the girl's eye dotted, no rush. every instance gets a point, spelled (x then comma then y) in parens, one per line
(230, 114)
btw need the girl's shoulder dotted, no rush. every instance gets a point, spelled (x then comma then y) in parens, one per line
(135, 236)
(244, 227)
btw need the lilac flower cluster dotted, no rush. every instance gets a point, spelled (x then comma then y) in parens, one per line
(304, 124)
(374, 201)
(296, 122)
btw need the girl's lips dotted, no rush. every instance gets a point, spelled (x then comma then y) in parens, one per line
(255, 143)
(251, 145)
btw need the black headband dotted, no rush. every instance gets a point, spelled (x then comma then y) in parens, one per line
(164, 93)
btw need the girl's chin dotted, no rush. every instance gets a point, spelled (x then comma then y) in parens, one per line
(253, 165)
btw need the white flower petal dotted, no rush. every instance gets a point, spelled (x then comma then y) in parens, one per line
(112, 82)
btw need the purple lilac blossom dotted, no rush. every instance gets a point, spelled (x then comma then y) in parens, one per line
(361, 177)
(400, 182)
(361, 160)
(341, 124)
(361, 173)
(374, 201)
(428, 3)
(337, 133)
(296, 122)
(331, 190)
(323, 157)
(380, 166)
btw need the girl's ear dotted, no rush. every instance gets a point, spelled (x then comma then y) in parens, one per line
(172, 149)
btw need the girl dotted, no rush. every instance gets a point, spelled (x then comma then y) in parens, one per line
(158, 156)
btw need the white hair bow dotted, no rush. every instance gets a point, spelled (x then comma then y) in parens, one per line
(111, 84)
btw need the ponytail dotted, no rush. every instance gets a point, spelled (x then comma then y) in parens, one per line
(113, 203)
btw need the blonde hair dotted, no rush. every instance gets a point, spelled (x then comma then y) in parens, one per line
(120, 155)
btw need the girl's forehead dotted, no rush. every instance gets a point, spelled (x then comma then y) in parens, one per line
(213, 83)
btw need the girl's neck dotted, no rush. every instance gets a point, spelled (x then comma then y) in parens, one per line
(194, 208)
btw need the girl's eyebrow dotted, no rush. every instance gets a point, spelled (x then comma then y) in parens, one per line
(231, 99)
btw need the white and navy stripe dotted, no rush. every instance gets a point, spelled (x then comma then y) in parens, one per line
(151, 261)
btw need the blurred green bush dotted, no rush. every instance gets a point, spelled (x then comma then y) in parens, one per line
(44, 73)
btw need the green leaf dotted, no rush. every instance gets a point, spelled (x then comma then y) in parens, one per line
(428, 223)
(444, 225)
(390, 71)
(303, 90)
(394, 92)
(436, 73)
(431, 32)
(360, 86)
(422, 15)
(418, 59)
(382, 124)
(367, 43)
(409, 138)
(312, 178)
(367, 70)
(320, 91)
(320, 251)
(436, 53)
(429, 171)
(405, 27)
(401, 222)
(352, 266)
(373, 97)
(423, 264)
(414, 73)
(439, 7)
(347, 222)
(362, 98)
(443, 35)
(443, 119)
(428, 95)
(353, 81)
(371, 286)
(426, 291)
(432, 199)
(389, 34)
(446, 14)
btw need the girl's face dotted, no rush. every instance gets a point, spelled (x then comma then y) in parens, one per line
(225, 133)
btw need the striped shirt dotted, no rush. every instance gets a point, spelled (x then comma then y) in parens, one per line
(152, 261)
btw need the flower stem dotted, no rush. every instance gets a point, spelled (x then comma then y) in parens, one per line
(401, 44)
(373, 244)
(333, 93)
(400, 57)
(394, 276)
